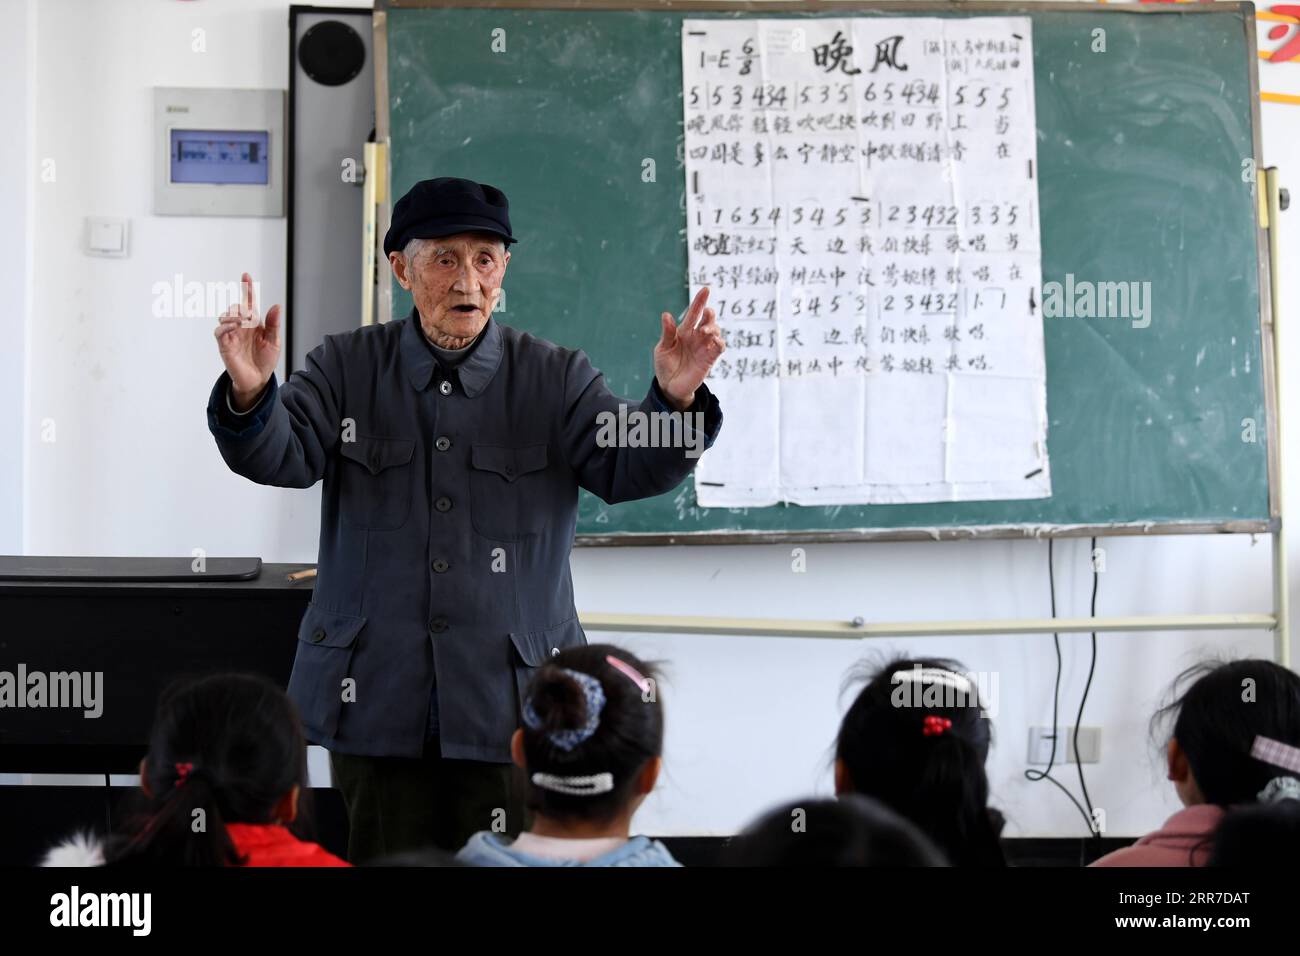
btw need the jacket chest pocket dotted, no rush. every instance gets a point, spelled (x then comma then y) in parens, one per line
(506, 487)
(375, 479)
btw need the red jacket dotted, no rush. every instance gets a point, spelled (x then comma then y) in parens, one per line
(270, 844)
(267, 844)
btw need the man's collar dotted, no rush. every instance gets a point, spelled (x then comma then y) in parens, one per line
(475, 373)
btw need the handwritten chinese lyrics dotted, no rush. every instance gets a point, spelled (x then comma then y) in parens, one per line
(862, 200)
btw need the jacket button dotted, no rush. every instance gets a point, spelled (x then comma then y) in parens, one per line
(438, 625)
(510, 471)
(443, 503)
(317, 636)
(440, 565)
(555, 652)
(445, 387)
(443, 443)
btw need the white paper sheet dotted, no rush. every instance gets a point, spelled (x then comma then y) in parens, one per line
(862, 202)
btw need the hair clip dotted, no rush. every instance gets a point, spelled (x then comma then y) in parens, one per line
(1277, 753)
(642, 683)
(933, 725)
(933, 675)
(594, 702)
(592, 785)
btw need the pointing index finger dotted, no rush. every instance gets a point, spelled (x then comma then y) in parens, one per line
(246, 283)
(697, 306)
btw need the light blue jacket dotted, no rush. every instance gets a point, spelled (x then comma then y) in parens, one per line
(490, 849)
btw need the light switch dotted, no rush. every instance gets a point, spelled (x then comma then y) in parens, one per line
(106, 237)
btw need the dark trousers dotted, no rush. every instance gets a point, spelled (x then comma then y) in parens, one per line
(401, 804)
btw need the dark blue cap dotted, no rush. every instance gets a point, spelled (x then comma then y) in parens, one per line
(445, 206)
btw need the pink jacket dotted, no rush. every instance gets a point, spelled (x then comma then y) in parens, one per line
(1184, 840)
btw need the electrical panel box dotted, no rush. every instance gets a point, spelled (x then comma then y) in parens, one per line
(218, 152)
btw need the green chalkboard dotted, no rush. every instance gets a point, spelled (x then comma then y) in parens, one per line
(1140, 154)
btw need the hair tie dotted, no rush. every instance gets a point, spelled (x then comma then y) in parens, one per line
(182, 772)
(1278, 789)
(569, 737)
(933, 725)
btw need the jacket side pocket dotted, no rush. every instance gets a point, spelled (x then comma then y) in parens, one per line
(532, 649)
(326, 641)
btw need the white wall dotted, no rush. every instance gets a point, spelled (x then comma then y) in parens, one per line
(126, 390)
(17, 43)
(134, 471)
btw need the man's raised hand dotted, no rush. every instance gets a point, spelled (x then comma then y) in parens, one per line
(686, 352)
(249, 348)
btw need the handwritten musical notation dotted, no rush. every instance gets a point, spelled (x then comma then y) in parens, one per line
(862, 201)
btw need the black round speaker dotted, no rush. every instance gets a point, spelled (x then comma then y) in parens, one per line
(331, 52)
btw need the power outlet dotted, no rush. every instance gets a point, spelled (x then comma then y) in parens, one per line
(1040, 745)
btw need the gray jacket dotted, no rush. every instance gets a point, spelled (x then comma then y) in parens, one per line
(446, 523)
(489, 849)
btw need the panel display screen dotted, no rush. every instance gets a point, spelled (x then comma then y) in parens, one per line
(218, 157)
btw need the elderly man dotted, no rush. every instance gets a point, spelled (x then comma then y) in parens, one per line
(452, 448)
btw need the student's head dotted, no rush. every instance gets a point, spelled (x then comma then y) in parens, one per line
(851, 831)
(224, 749)
(1218, 710)
(916, 739)
(592, 736)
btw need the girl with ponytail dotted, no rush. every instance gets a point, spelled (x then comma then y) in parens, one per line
(223, 783)
(590, 747)
(916, 739)
(1231, 741)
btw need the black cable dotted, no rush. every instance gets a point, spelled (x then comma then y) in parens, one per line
(1037, 775)
(1092, 666)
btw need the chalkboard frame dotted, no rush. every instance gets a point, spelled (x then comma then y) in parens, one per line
(1245, 10)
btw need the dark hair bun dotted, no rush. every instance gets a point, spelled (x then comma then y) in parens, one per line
(558, 700)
